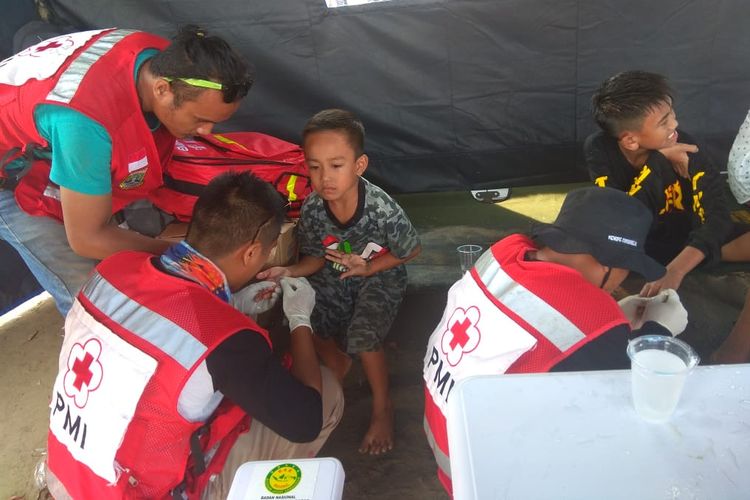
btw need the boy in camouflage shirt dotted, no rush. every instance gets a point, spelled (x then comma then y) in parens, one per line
(354, 241)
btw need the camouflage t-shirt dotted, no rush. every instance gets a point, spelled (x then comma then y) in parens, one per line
(379, 225)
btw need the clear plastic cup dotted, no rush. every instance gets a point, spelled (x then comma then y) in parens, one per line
(659, 367)
(467, 256)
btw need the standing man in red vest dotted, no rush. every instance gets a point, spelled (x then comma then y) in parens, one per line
(86, 122)
(543, 304)
(165, 388)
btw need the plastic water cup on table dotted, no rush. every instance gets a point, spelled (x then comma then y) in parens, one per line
(659, 367)
(467, 256)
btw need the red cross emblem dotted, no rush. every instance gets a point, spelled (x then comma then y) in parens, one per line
(61, 45)
(84, 373)
(82, 370)
(50, 45)
(458, 330)
(461, 334)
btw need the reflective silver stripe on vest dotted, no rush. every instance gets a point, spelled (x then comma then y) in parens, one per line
(55, 486)
(143, 322)
(443, 461)
(543, 317)
(71, 78)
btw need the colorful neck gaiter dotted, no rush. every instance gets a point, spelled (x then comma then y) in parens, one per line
(183, 260)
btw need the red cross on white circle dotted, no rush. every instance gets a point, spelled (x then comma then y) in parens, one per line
(84, 373)
(59, 45)
(52, 44)
(461, 334)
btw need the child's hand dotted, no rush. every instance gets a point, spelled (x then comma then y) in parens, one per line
(671, 280)
(678, 157)
(273, 273)
(354, 264)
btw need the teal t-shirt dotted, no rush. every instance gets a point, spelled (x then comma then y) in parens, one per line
(81, 147)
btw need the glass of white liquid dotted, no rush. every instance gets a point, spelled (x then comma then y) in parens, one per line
(659, 366)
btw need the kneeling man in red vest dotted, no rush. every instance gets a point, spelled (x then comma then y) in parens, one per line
(543, 304)
(164, 387)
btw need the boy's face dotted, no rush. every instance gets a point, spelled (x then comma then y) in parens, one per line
(658, 131)
(334, 167)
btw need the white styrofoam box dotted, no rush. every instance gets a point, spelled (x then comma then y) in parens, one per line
(292, 479)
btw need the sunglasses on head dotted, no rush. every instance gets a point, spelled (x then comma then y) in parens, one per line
(230, 91)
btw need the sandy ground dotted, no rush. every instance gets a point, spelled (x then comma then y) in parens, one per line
(28, 365)
(29, 346)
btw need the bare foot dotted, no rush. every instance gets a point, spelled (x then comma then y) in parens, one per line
(729, 354)
(379, 437)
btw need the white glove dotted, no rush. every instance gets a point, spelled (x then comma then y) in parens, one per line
(256, 298)
(299, 301)
(633, 306)
(664, 308)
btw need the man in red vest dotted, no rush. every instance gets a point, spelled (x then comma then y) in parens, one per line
(86, 122)
(543, 304)
(164, 387)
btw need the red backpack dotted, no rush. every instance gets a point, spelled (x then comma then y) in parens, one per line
(198, 160)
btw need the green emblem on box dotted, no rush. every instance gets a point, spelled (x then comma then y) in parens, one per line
(283, 478)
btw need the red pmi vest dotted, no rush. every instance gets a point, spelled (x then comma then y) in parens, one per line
(508, 315)
(129, 311)
(94, 75)
(198, 160)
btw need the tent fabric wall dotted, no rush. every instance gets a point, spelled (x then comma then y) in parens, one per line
(465, 93)
(17, 282)
(15, 15)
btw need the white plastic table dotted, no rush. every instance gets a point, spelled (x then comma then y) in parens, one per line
(576, 436)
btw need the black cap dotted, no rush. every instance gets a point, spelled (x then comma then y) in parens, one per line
(605, 223)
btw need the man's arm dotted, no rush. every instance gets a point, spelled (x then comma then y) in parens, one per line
(289, 404)
(81, 156)
(90, 233)
(608, 351)
(245, 370)
(305, 367)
